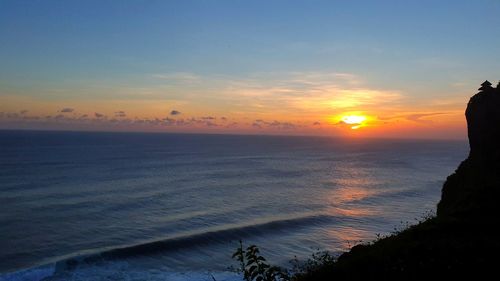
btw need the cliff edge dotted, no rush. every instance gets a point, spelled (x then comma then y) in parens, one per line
(473, 191)
(462, 240)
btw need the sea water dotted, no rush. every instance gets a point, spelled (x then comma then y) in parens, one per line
(137, 206)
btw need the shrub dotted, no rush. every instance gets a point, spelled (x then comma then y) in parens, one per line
(255, 267)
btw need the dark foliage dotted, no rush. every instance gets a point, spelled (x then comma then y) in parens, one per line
(255, 267)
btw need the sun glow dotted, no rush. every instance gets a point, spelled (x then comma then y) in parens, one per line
(355, 120)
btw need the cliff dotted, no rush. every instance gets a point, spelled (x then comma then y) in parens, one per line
(462, 241)
(473, 191)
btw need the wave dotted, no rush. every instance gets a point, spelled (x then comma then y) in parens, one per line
(119, 271)
(30, 274)
(223, 235)
(195, 239)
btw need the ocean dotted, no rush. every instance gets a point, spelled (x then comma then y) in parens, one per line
(139, 206)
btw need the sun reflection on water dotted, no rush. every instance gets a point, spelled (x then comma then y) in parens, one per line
(348, 198)
(351, 193)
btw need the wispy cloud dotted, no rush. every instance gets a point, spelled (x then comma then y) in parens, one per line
(415, 117)
(437, 63)
(307, 92)
(178, 77)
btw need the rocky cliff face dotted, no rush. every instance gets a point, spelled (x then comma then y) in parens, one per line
(473, 191)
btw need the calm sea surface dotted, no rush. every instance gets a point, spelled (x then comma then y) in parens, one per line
(130, 206)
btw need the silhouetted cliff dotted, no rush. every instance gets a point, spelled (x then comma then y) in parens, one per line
(462, 241)
(473, 190)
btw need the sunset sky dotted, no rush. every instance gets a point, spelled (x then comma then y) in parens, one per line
(390, 68)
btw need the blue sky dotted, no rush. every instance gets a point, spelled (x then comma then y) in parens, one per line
(53, 50)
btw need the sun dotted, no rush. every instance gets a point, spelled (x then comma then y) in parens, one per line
(355, 120)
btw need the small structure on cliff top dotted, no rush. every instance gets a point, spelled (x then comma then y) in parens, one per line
(486, 86)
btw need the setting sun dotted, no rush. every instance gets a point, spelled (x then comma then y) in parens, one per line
(355, 120)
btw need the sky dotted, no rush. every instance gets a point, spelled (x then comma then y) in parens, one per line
(397, 69)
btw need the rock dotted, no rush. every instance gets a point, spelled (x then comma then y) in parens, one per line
(473, 191)
(483, 124)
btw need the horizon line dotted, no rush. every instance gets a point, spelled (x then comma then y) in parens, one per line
(233, 134)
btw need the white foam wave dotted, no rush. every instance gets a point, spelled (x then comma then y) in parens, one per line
(116, 271)
(32, 274)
